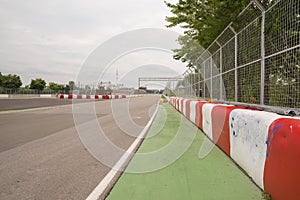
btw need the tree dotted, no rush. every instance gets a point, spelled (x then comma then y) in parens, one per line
(55, 86)
(67, 89)
(189, 52)
(204, 19)
(10, 81)
(1, 80)
(71, 85)
(38, 84)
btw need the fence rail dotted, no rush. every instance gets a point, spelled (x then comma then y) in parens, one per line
(256, 59)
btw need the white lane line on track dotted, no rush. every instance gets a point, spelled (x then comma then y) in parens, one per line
(101, 187)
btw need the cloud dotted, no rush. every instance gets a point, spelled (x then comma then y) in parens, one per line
(52, 38)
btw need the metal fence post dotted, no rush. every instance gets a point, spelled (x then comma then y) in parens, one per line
(204, 80)
(235, 64)
(211, 80)
(235, 67)
(262, 69)
(193, 82)
(199, 83)
(220, 72)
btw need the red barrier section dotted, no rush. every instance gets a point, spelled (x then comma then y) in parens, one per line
(80, 96)
(220, 126)
(188, 109)
(199, 114)
(105, 96)
(282, 167)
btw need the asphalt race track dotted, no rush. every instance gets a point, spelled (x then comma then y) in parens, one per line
(41, 155)
(17, 104)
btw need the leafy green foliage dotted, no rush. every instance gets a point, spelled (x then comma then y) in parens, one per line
(71, 85)
(1, 79)
(189, 52)
(38, 84)
(55, 86)
(204, 19)
(10, 81)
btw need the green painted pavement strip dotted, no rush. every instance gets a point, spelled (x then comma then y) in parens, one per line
(214, 177)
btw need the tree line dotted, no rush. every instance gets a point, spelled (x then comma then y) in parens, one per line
(13, 81)
(202, 21)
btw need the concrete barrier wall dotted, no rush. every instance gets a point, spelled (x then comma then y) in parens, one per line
(4, 96)
(113, 96)
(193, 111)
(248, 136)
(266, 145)
(46, 96)
(82, 96)
(21, 96)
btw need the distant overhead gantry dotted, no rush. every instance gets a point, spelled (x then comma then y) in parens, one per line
(158, 79)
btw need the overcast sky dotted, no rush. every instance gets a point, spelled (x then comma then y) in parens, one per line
(51, 39)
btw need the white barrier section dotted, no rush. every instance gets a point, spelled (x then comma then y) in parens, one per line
(184, 107)
(180, 105)
(193, 111)
(177, 103)
(4, 96)
(206, 119)
(248, 136)
(45, 95)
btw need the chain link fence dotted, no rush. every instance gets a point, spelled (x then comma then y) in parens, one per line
(255, 60)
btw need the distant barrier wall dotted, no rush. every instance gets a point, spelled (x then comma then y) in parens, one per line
(83, 96)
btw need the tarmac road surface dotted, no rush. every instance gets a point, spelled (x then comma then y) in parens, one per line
(25, 103)
(42, 157)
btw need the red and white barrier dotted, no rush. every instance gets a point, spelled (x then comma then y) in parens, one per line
(248, 136)
(207, 120)
(282, 165)
(185, 108)
(266, 145)
(83, 96)
(220, 126)
(193, 111)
